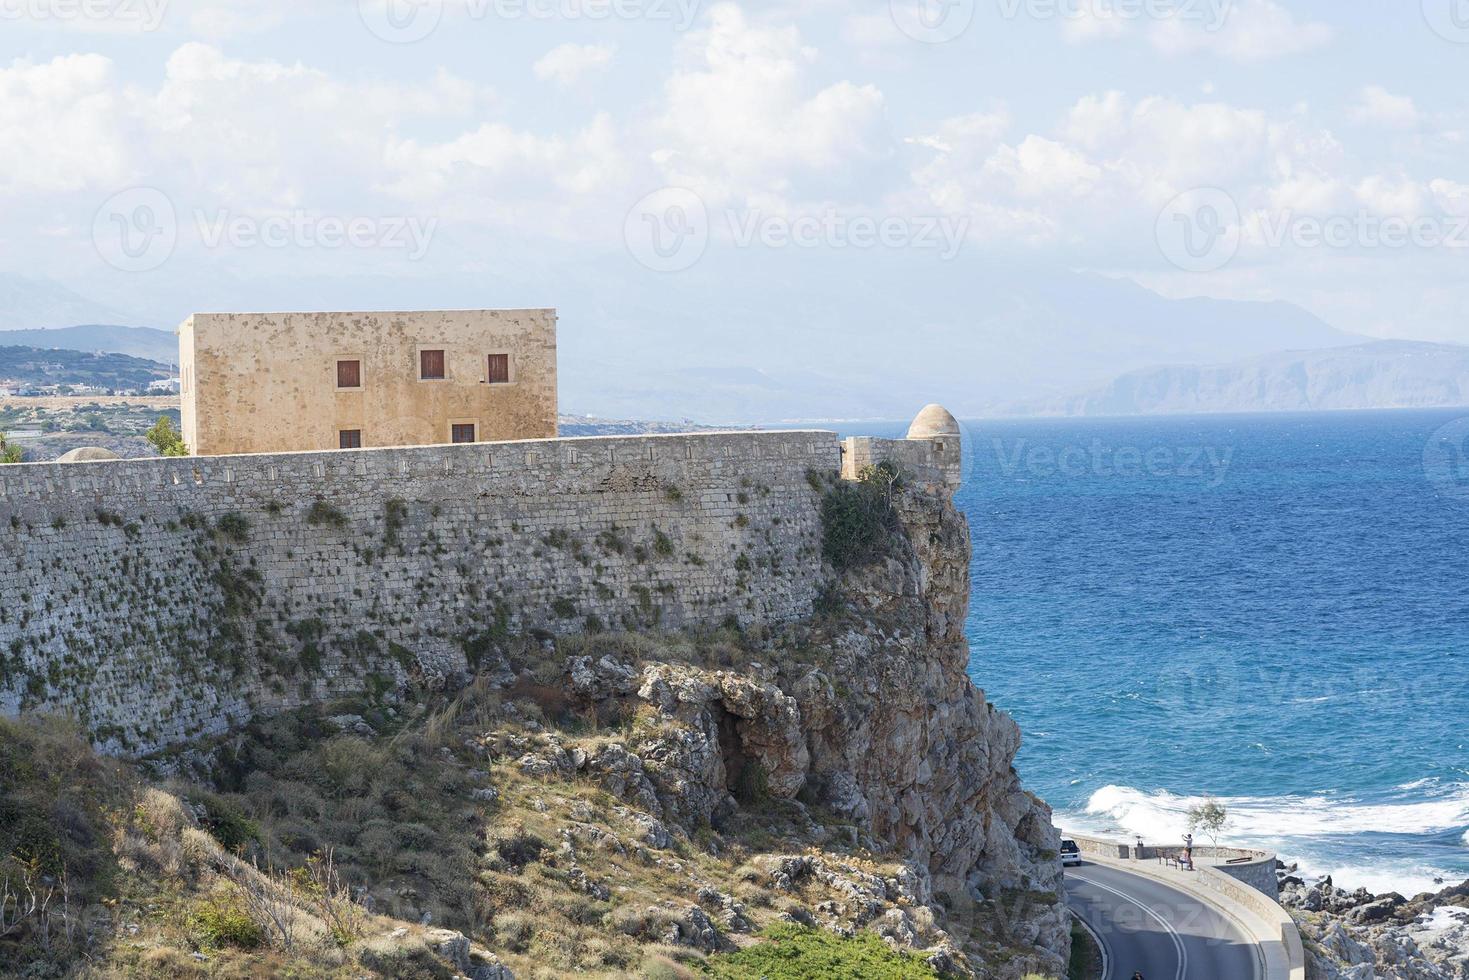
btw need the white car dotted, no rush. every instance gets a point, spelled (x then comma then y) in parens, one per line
(1070, 853)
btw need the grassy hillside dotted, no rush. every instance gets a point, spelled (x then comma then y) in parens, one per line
(414, 839)
(38, 366)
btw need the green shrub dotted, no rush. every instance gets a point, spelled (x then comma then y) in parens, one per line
(166, 439)
(234, 526)
(793, 952)
(858, 520)
(221, 921)
(227, 823)
(322, 512)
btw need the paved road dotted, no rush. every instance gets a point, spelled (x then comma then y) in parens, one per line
(1164, 933)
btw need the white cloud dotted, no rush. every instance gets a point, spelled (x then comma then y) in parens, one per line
(1093, 20)
(515, 169)
(62, 125)
(1379, 107)
(566, 64)
(1254, 30)
(741, 119)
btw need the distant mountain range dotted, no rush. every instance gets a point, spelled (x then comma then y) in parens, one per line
(27, 304)
(1381, 374)
(753, 335)
(787, 336)
(145, 342)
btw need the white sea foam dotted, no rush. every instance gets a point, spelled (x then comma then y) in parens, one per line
(1301, 828)
(1164, 815)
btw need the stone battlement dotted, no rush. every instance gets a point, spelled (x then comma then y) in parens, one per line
(166, 599)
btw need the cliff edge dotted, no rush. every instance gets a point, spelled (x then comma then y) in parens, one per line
(677, 803)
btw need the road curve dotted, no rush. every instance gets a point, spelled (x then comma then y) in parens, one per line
(1148, 927)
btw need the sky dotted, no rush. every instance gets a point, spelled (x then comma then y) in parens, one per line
(167, 156)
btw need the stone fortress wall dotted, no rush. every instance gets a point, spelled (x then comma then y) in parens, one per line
(165, 599)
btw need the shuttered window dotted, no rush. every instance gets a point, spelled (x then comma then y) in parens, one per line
(462, 433)
(349, 374)
(499, 373)
(431, 365)
(349, 439)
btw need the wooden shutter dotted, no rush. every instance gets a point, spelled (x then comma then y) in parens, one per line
(349, 439)
(349, 374)
(431, 364)
(462, 433)
(499, 373)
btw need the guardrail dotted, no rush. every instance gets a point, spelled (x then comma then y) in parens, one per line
(1255, 910)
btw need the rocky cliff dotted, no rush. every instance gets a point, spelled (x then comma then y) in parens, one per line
(867, 716)
(605, 804)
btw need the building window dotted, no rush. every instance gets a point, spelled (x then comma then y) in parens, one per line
(349, 374)
(499, 371)
(431, 365)
(462, 432)
(349, 439)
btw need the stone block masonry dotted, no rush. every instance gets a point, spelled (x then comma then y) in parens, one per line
(166, 599)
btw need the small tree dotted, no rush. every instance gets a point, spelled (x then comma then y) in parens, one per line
(166, 439)
(9, 451)
(1209, 816)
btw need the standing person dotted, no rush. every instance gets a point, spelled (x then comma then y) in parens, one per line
(1188, 851)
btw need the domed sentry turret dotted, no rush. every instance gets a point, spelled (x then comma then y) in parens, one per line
(934, 422)
(939, 441)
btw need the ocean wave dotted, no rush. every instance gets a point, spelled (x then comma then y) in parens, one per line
(1163, 815)
(1308, 830)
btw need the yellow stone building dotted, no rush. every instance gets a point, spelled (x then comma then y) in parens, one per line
(284, 382)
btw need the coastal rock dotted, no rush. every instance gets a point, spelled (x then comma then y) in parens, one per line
(1355, 935)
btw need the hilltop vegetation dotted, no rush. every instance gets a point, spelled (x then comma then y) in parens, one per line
(40, 367)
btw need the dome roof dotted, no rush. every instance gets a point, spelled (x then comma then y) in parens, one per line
(87, 454)
(934, 422)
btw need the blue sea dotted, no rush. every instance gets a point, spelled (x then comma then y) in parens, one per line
(1269, 609)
